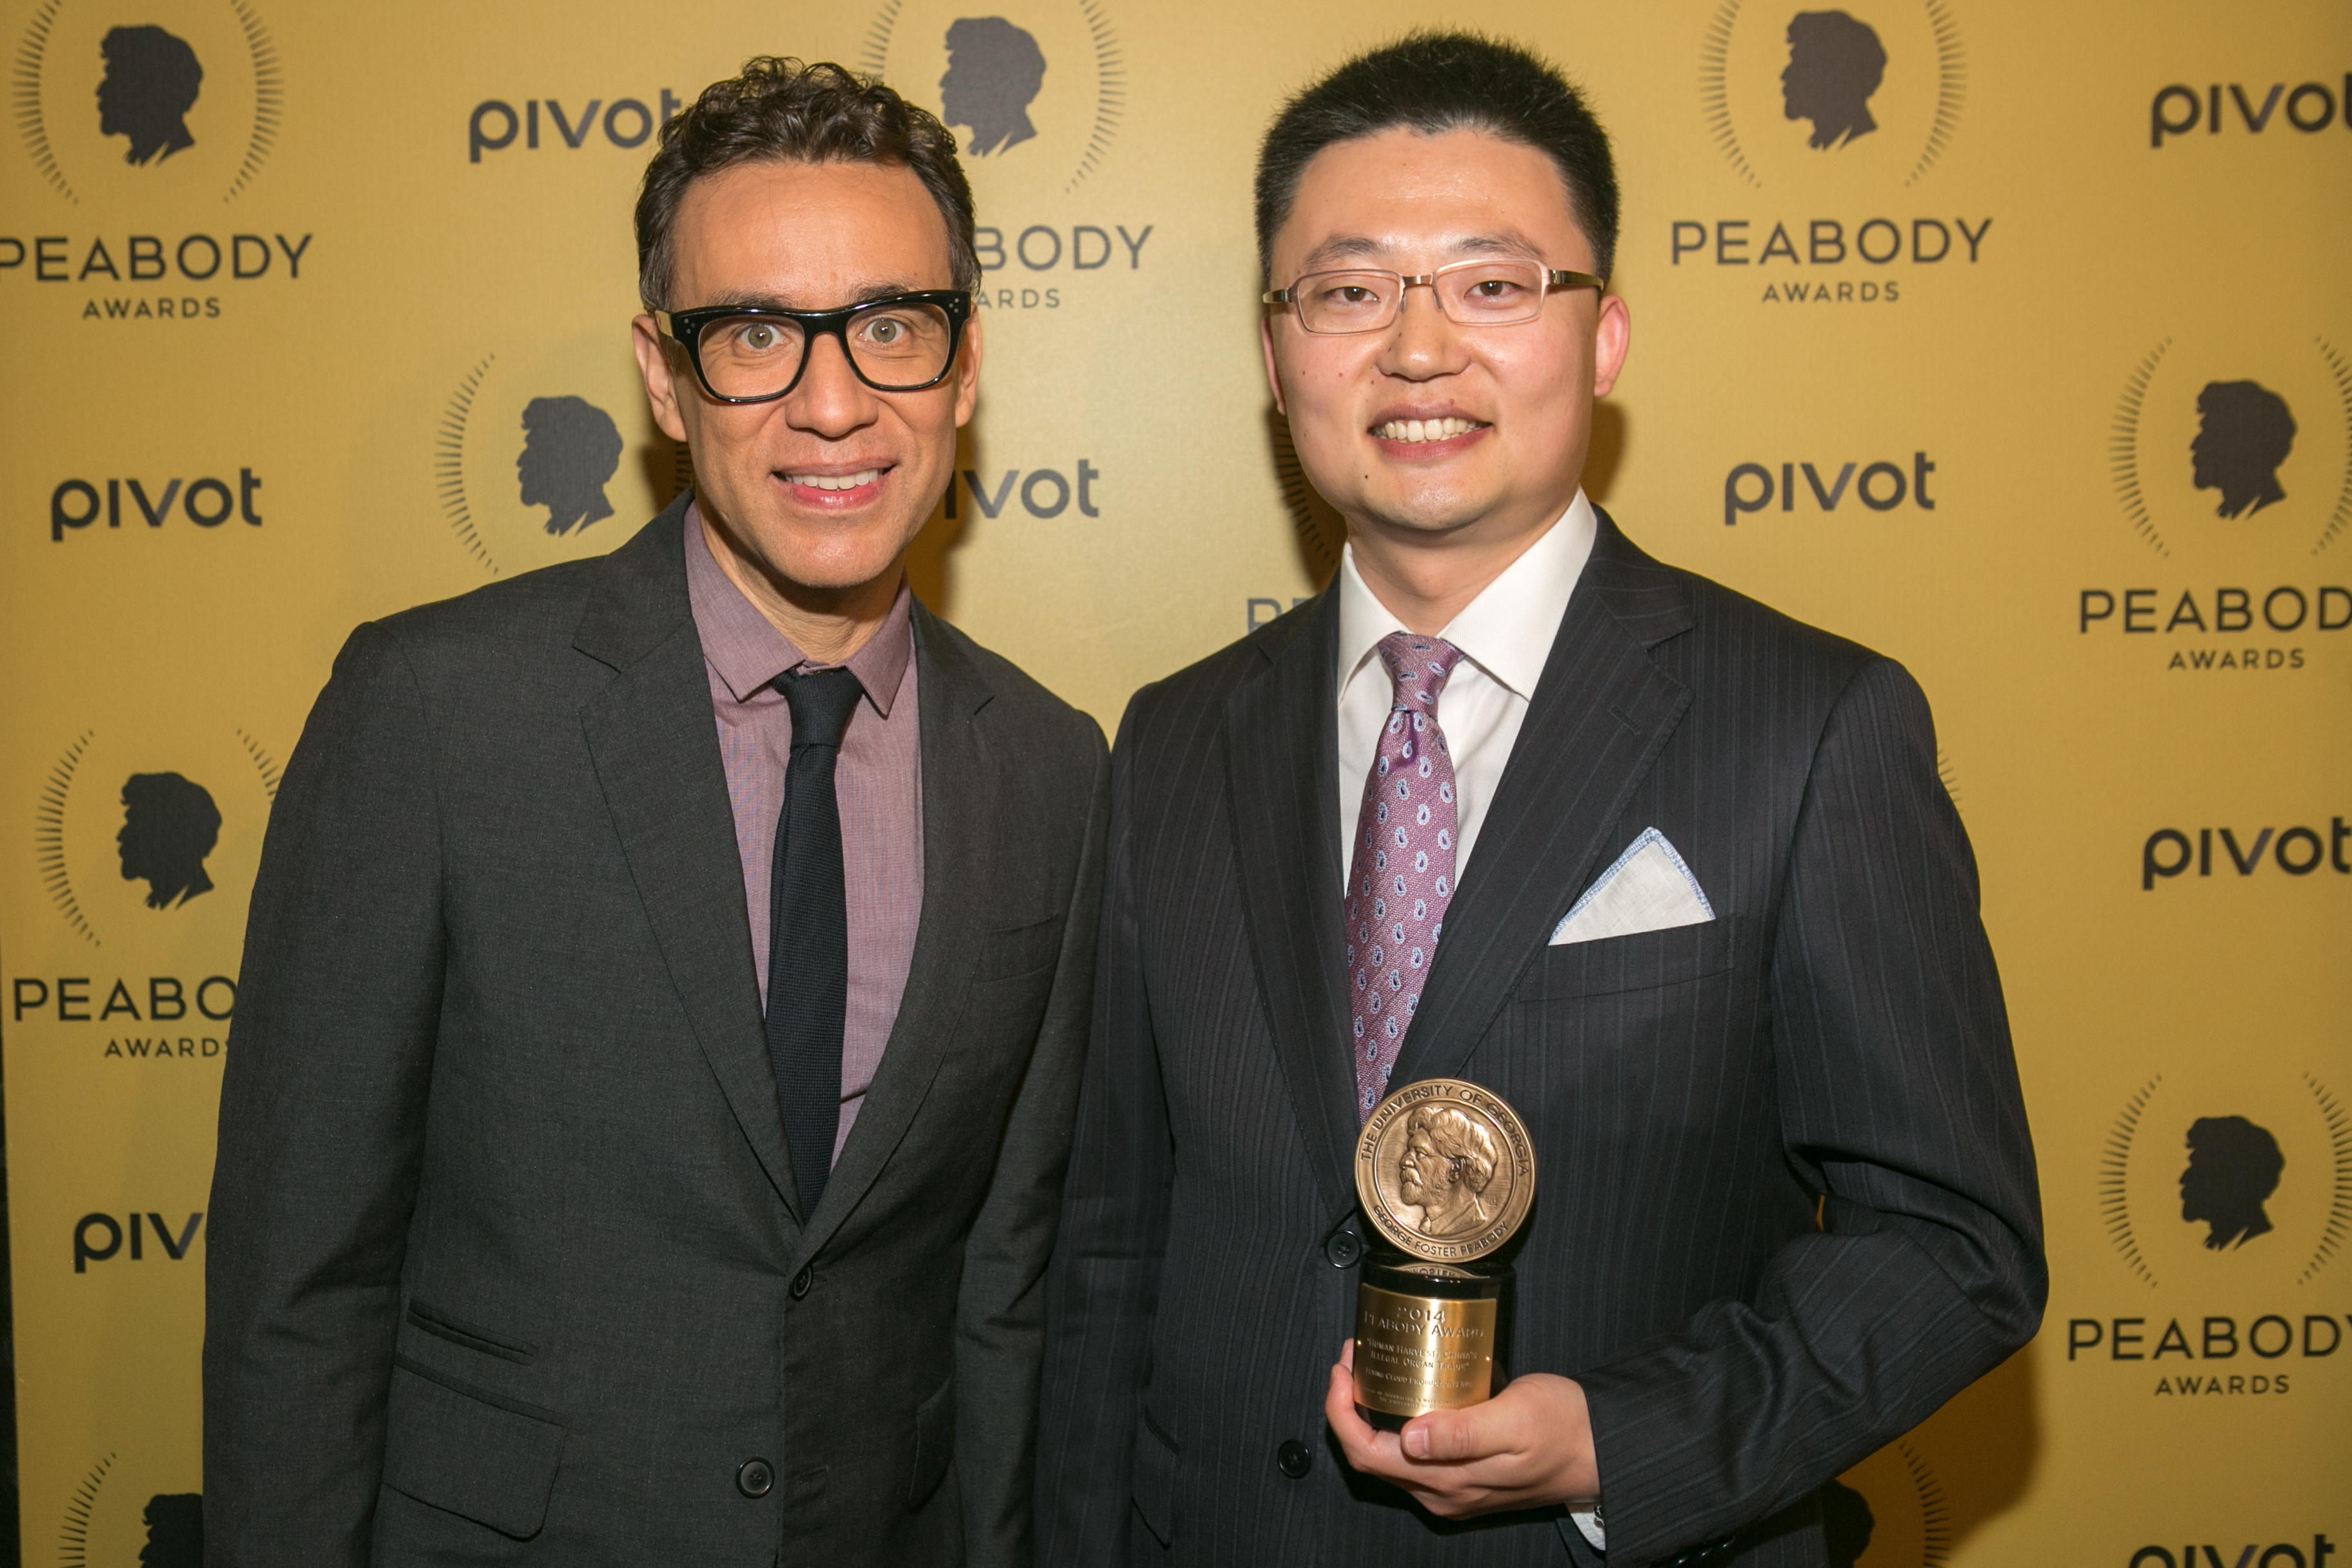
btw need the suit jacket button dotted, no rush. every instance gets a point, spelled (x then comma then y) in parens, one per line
(753, 1478)
(804, 1279)
(1292, 1458)
(1343, 1247)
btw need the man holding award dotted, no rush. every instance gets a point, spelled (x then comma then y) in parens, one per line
(1515, 850)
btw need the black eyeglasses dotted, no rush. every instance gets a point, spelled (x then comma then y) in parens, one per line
(752, 354)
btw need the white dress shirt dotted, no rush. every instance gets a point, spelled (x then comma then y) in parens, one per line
(1504, 635)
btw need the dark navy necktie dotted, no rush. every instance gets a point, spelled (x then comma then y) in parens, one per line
(808, 930)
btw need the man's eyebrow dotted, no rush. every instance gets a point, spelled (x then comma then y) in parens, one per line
(756, 299)
(1341, 249)
(1509, 241)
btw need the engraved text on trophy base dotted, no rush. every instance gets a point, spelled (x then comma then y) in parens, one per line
(1415, 1354)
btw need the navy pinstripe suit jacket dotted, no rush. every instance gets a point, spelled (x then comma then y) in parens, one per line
(1786, 1203)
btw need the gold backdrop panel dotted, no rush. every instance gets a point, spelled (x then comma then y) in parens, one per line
(2007, 338)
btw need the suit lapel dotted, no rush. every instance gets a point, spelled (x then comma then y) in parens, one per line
(1281, 732)
(960, 811)
(1600, 713)
(656, 753)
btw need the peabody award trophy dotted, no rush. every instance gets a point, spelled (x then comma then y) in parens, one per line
(1445, 1173)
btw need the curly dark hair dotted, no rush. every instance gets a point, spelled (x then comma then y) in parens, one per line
(1436, 82)
(778, 109)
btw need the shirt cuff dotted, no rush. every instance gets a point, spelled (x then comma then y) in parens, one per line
(1588, 1525)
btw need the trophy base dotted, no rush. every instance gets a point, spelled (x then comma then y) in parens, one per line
(1427, 1335)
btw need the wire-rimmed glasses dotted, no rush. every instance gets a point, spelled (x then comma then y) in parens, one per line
(1490, 293)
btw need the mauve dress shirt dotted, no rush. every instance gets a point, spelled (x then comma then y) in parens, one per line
(878, 783)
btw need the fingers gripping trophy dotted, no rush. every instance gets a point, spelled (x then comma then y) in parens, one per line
(1445, 1173)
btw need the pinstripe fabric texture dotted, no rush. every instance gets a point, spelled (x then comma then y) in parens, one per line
(1837, 1033)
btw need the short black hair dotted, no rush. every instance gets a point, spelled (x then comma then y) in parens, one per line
(1433, 83)
(781, 110)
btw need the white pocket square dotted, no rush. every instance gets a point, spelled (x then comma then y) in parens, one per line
(1649, 889)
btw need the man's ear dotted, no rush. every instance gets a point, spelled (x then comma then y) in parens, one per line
(967, 374)
(1612, 334)
(1273, 375)
(661, 386)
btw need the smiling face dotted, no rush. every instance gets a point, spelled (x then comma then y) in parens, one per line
(1427, 430)
(824, 489)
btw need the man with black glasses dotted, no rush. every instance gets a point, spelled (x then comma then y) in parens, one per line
(667, 975)
(1512, 803)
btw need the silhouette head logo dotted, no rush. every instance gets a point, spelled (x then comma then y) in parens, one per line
(1847, 1524)
(1448, 1163)
(995, 72)
(169, 825)
(175, 1532)
(151, 83)
(570, 448)
(2234, 1167)
(1835, 63)
(2244, 431)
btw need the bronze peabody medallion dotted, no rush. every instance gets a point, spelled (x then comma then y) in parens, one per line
(1444, 1169)
(1445, 1173)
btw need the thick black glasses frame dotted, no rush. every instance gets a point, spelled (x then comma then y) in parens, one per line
(685, 328)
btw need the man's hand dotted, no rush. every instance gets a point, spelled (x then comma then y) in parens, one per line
(1529, 1447)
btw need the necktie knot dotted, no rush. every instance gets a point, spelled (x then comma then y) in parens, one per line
(1417, 667)
(822, 701)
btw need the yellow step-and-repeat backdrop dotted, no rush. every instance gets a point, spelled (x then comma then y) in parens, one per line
(2009, 338)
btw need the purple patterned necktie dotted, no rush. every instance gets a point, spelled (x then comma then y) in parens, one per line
(1403, 876)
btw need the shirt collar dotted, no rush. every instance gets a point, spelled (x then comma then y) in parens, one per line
(1506, 630)
(749, 652)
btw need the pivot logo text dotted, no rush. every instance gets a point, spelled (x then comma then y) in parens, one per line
(1043, 492)
(626, 122)
(1882, 487)
(2310, 107)
(75, 504)
(2297, 851)
(2284, 1554)
(99, 1236)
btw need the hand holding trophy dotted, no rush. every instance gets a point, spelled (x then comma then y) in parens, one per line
(1445, 1175)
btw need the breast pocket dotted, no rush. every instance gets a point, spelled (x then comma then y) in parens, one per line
(1647, 961)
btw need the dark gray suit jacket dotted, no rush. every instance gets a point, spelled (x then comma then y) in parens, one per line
(505, 1263)
(1833, 1040)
